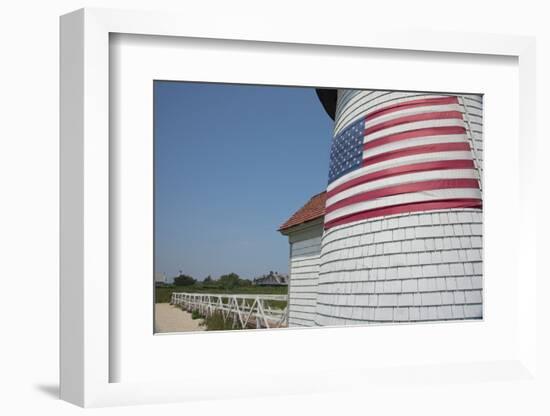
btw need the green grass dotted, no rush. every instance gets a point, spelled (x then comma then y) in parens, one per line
(163, 294)
(216, 323)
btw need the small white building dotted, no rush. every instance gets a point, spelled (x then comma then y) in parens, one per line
(304, 230)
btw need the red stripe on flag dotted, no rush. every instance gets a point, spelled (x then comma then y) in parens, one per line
(415, 150)
(403, 189)
(414, 118)
(411, 104)
(413, 134)
(405, 208)
(400, 170)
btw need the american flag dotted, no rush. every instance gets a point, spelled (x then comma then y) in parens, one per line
(407, 156)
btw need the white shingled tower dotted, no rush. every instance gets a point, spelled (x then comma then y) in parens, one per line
(402, 238)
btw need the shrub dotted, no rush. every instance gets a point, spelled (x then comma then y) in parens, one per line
(229, 281)
(184, 280)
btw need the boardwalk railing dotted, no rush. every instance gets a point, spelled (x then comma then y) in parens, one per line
(245, 311)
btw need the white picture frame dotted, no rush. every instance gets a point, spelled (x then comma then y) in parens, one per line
(87, 356)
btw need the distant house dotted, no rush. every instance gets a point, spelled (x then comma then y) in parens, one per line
(271, 279)
(304, 230)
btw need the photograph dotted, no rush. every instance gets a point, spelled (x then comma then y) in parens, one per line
(296, 206)
(281, 208)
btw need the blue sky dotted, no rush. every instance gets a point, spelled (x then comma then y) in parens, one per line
(232, 162)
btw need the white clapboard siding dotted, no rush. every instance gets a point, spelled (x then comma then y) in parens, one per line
(411, 267)
(305, 249)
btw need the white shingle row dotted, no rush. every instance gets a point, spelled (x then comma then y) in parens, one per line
(327, 316)
(306, 280)
(298, 322)
(304, 251)
(401, 266)
(299, 289)
(310, 242)
(354, 233)
(396, 250)
(304, 302)
(347, 288)
(300, 261)
(337, 251)
(304, 270)
(301, 297)
(303, 312)
(402, 227)
(311, 283)
(459, 297)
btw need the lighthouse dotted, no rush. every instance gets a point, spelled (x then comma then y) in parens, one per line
(396, 236)
(402, 229)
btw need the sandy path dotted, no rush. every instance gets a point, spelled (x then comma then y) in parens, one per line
(168, 318)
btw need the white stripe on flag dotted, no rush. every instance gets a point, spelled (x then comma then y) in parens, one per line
(411, 111)
(418, 141)
(415, 125)
(403, 179)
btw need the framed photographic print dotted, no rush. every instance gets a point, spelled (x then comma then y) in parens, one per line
(333, 202)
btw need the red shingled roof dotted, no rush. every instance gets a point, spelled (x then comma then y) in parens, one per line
(313, 209)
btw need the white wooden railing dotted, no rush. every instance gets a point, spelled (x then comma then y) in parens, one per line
(244, 311)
